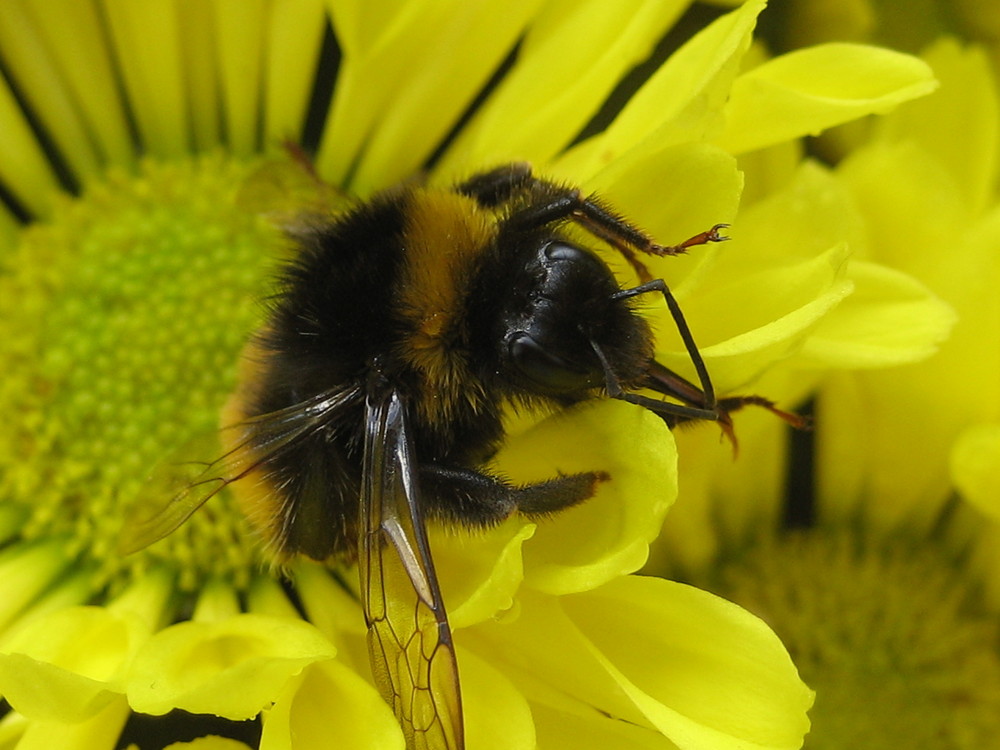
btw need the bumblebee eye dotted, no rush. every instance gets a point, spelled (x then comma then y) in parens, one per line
(562, 251)
(546, 369)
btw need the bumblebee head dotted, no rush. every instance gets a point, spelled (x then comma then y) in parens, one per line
(561, 316)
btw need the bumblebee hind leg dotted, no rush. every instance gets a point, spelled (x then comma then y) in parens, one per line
(467, 497)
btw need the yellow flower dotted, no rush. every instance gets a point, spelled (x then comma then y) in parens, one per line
(132, 142)
(907, 25)
(881, 578)
(925, 186)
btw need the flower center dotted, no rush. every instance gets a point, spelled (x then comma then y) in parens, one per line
(890, 639)
(123, 317)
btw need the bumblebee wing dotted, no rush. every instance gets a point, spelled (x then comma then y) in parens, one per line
(409, 641)
(259, 440)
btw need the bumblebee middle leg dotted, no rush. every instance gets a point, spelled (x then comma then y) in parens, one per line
(473, 498)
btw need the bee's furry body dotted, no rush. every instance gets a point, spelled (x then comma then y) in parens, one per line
(417, 288)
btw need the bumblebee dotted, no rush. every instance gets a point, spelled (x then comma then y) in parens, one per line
(398, 335)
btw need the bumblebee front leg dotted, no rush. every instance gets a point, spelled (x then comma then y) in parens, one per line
(557, 203)
(472, 498)
(659, 285)
(548, 202)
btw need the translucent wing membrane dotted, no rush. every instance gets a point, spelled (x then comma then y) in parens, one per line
(409, 640)
(260, 439)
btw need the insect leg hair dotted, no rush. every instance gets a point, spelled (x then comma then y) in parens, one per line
(466, 496)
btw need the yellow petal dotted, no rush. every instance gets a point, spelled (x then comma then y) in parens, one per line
(240, 50)
(542, 652)
(480, 571)
(724, 494)
(217, 600)
(328, 706)
(573, 55)
(148, 596)
(468, 46)
(975, 467)
(24, 169)
(27, 58)
(333, 604)
(75, 40)
(767, 170)
(389, 113)
(362, 26)
(497, 716)
(912, 207)
(811, 215)
(267, 597)
(232, 668)
(328, 604)
(914, 211)
(779, 308)
(807, 91)
(673, 193)
(99, 731)
(563, 730)
(681, 102)
(12, 729)
(42, 691)
(802, 218)
(69, 665)
(609, 534)
(966, 103)
(200, 58)
(70, 591)
(705, 672)
(146, 39)
(27, 570)
(864, 468)
(295, 33)
(890, 319)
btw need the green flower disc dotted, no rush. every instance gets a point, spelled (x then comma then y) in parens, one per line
(123, 317)
(888, 635)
